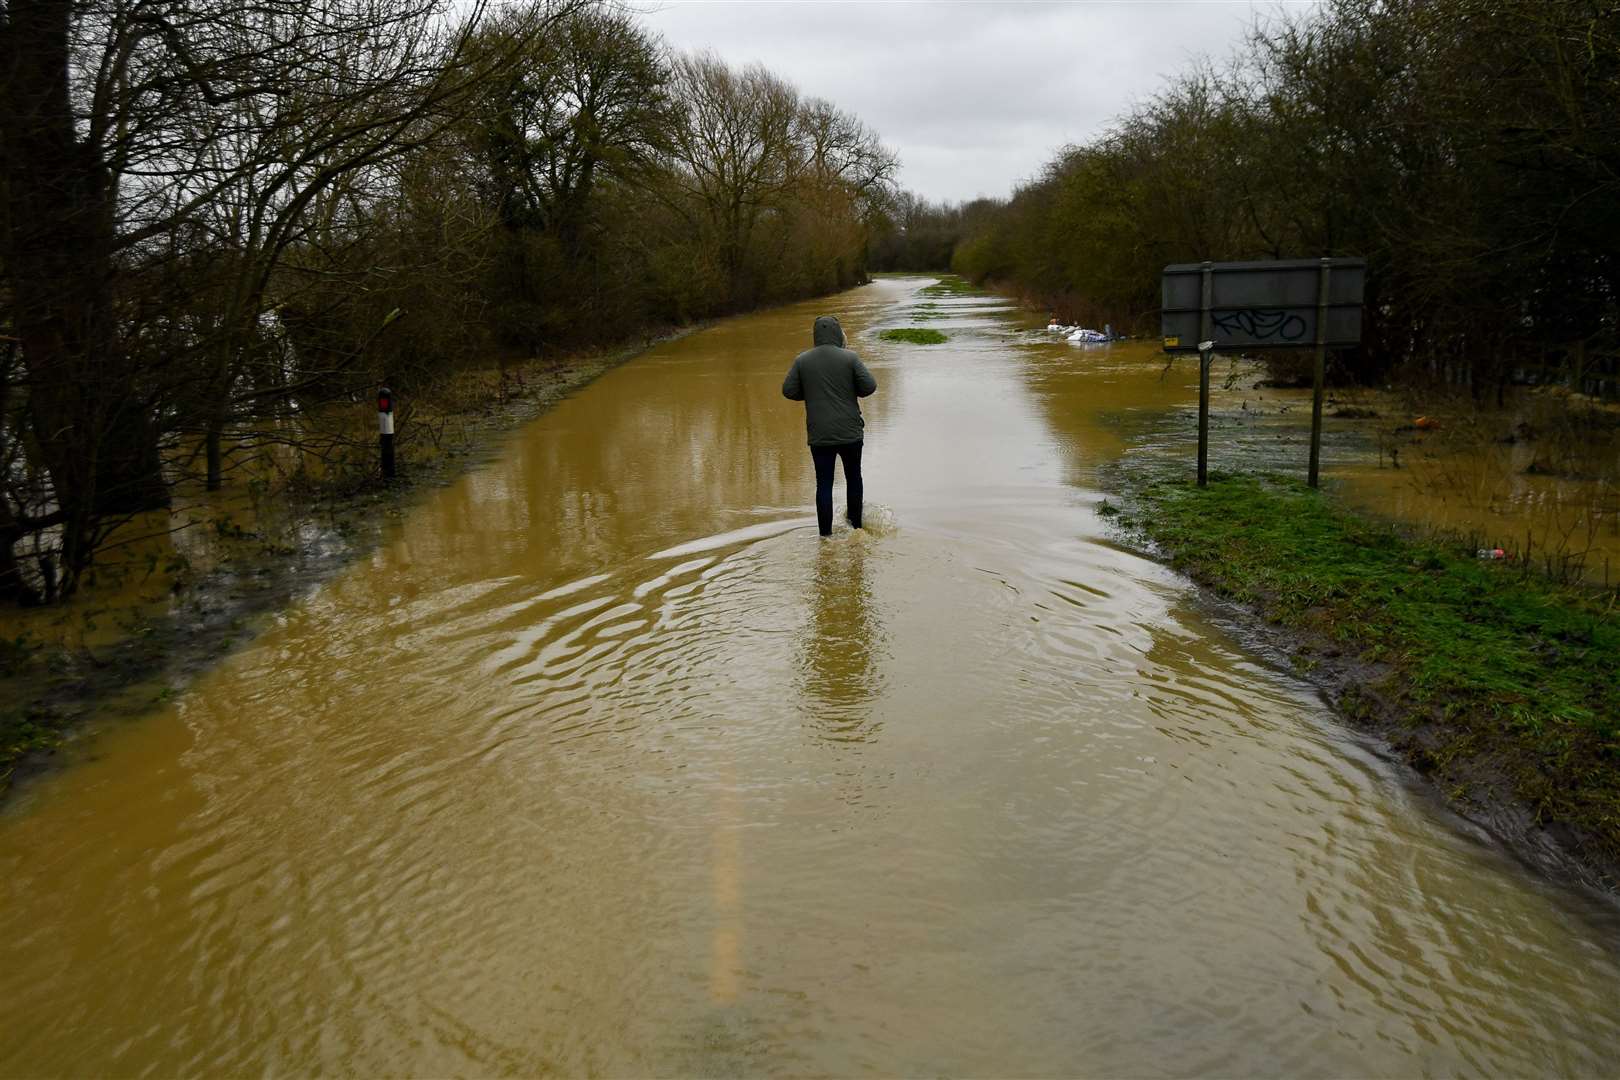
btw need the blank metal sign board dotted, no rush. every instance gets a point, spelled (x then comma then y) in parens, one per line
(1262, 305)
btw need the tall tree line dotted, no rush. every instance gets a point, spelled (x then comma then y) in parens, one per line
(219, 216)
(1469, 149)
(920, 235)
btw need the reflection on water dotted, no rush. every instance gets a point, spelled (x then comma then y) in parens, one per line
(606, 764)
(839, 671)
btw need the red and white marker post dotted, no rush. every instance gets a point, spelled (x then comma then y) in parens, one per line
(385, 430)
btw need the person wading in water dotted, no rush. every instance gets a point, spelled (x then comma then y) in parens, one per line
(828, 378)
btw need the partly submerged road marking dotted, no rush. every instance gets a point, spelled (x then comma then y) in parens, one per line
(725, 955)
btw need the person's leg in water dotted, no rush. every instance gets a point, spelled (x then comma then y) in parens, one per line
(851, 455)
(824, 457)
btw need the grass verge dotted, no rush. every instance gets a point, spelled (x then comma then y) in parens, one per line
(914, 335)
(1498, 683)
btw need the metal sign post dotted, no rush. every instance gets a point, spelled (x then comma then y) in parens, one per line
(1206, 357)
(1319, 372)
(1280, 304)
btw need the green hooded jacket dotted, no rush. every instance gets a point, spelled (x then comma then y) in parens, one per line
(828, 379)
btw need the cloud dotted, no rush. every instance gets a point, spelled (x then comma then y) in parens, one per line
(974, 96)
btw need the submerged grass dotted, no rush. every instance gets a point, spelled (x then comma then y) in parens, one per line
(950, 285)
(27, 726)
(1494, 674)
(26, 731)
(915, 335)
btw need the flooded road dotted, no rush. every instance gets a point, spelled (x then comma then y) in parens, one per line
(606, 764)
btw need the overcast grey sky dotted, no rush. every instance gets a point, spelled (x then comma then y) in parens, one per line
(974, 96)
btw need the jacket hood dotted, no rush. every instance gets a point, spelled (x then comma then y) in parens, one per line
(828, 332)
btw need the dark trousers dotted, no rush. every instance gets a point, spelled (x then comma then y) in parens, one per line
(824, 457)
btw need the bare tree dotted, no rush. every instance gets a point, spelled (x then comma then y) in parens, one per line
(735, 158)
(583, 102)
(132, 131)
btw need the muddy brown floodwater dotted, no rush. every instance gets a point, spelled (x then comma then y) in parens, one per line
(603, 763)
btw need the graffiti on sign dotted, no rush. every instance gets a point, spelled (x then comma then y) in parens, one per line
(1260, 324)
